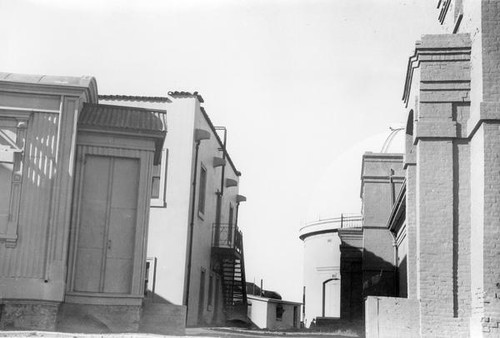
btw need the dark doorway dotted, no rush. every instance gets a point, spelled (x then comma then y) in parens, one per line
(201, 302)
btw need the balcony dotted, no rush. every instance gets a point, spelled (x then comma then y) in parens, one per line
(227, 238)
(345, 221)
(350, 221)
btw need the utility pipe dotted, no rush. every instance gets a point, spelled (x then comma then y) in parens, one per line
(220, 193)
(395, 260)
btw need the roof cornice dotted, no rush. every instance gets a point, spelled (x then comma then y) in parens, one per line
(436, 48)
(50, 85)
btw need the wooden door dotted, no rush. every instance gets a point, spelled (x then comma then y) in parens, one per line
(107, 228)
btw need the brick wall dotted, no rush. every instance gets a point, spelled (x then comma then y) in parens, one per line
(486, 235)
(462, 229)
(411, 231)
(490, 21)
(391, 317)
(453, 186)
(485, 168)
(435, 223)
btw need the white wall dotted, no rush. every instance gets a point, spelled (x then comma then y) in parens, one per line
(262, 312)
(321, 262)
(257, 312)
(168, 226)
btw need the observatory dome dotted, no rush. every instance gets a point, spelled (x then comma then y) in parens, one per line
(337, 191)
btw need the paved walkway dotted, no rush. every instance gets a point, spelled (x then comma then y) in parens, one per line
(239, 333)
(190, 332)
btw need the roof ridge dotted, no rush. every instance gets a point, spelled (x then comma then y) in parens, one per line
(135, 98)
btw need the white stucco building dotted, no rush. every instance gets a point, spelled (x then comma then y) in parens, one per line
(273, 314)
(195, 258)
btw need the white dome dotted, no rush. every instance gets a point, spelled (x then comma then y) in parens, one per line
(337, 191)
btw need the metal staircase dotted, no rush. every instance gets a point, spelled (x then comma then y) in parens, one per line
(227, 248)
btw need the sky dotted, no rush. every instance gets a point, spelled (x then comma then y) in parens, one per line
(297, 83)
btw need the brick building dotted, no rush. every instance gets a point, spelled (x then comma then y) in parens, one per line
(368, 258)
(335, 212)
(445, 219)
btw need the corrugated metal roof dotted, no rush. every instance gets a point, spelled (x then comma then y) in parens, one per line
(119, 117)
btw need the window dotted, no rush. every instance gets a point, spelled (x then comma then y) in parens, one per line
(216, 298)
(210, 291)
(230, 235)
(159, 181)
(8, 149)
(279, 312)
(12, 135)
(203, 190)
(201, 300)
(156, 177)
(150, 281)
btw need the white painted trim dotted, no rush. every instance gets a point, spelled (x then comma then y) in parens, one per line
(17, 111)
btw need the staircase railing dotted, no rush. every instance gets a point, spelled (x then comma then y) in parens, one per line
(243, 277)
(232, 263)
(228, 236)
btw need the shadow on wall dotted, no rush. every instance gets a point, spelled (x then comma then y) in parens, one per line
(154, 298)
(379, 276)
(363, 273)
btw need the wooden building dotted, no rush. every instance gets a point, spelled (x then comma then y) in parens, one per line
(74, 206)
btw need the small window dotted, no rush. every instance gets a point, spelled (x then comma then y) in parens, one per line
(159, 181)
(155, 187)
(150, 280)
(202, 191)
(279, 312)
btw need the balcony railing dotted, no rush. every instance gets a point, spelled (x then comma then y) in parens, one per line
(227, 236)
(350, 221)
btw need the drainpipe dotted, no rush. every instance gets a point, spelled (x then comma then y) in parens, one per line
(393, 188)
(394, 240)
(199, 135)
(395, 260)
(220, 193)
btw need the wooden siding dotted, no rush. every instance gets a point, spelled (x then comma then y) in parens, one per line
(27, 258)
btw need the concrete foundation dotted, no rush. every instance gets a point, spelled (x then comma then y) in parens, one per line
(98, 318)
(161, 318)
(28, 315)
